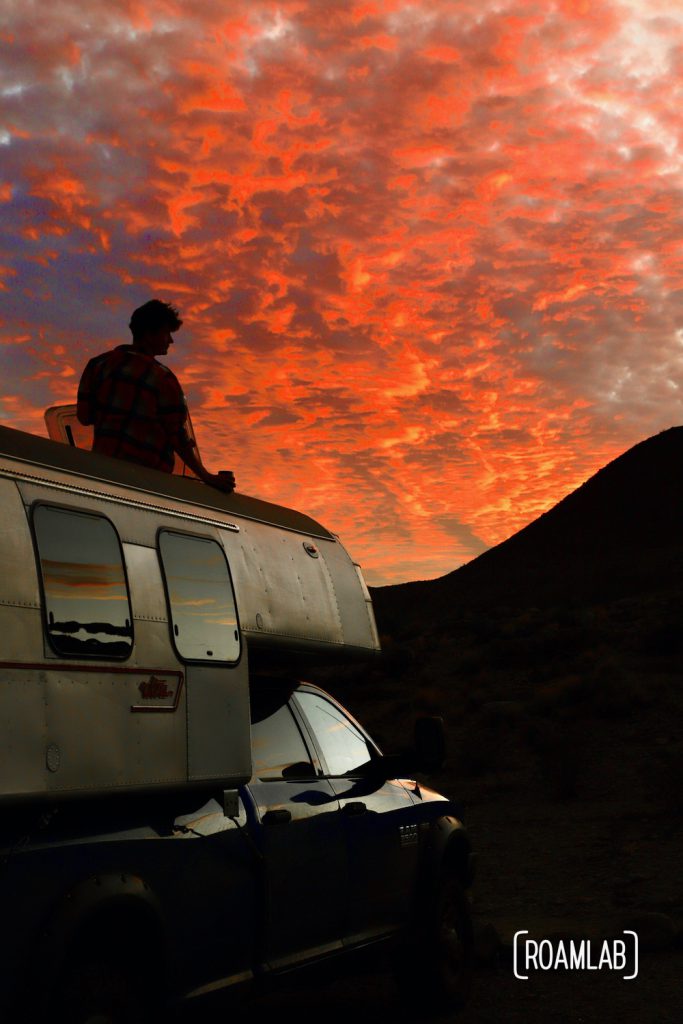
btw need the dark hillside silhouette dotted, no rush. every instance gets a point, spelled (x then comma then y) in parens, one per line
(618, 535)
(577, 618)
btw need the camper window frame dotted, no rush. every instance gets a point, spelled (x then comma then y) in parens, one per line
(169, 607)
(69, 655)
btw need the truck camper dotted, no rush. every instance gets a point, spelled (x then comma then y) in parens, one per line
(176, 822)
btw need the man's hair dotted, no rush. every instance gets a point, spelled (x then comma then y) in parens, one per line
(153, 315)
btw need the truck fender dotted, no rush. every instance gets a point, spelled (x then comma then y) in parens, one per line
(114, 914)
(447, 848)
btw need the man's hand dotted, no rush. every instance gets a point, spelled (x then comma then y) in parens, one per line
(223, 481)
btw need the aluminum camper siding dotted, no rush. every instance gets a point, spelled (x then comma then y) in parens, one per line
(286, 596)
(71, 725)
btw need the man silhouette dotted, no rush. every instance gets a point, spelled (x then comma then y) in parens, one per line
(136, 404)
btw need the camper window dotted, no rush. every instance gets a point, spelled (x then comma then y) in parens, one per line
(200, 597)
(87, 608)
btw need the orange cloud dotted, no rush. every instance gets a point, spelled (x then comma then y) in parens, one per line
(428, 256)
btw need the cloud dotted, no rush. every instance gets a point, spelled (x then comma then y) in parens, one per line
(428, 256)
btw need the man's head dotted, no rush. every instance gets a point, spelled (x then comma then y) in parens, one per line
(151, 326)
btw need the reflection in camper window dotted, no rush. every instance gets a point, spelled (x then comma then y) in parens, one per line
(86, 599)
(202, 604)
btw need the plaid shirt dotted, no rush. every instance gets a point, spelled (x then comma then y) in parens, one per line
(136, 406)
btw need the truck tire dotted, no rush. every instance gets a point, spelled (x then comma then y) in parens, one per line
(98, 992)
(434, 968)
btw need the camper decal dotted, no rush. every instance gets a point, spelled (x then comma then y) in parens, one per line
(153, 688)
(159, 692)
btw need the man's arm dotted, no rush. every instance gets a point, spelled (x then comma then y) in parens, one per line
(223, 481)
(173, 413)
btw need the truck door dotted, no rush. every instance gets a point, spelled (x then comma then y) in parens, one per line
(379, 821)
(299, 835)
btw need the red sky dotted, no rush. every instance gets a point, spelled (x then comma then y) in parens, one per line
(429, 256)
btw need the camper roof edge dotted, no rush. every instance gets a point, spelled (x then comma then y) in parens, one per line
(42, 452)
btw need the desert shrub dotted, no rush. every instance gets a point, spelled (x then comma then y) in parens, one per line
(467, 662)
(662, 640)
(560, 754)
(606, 689)
(490, 738)
(478, 753)
(616, 692)
(665, 771)
(397, 658)
(566, 693)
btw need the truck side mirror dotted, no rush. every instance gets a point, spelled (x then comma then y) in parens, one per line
(430, 744)
(299, 770)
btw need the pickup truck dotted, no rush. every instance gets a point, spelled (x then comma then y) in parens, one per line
(180, 813)
(124, 907)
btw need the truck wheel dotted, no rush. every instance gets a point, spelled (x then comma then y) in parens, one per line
(98, 992)
(435, 966)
